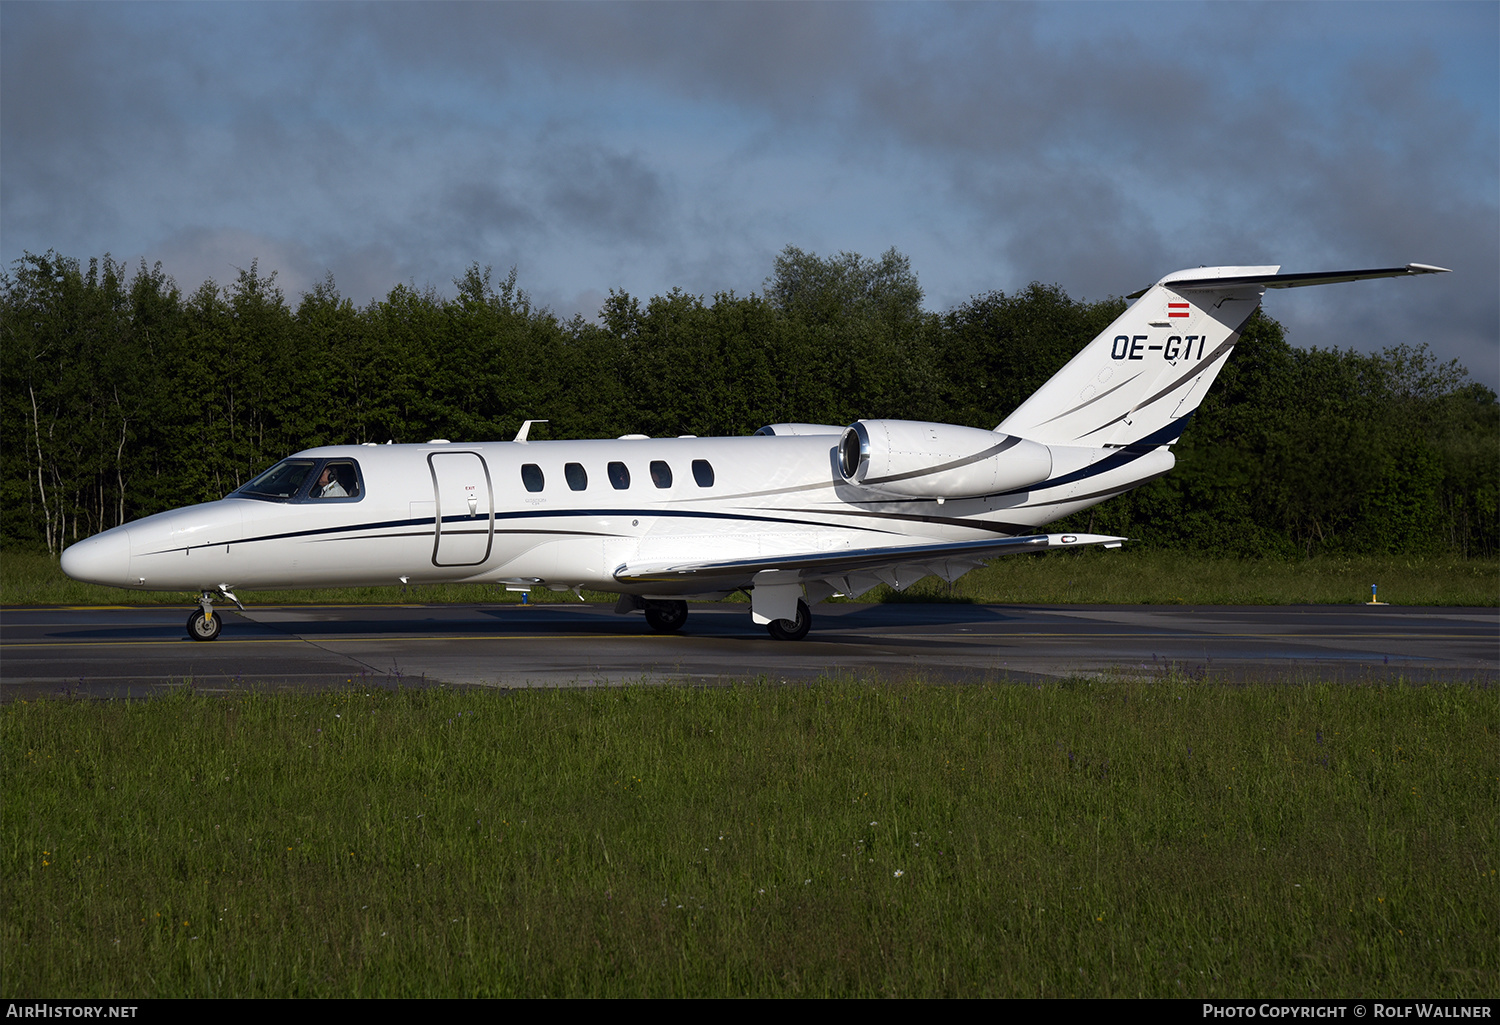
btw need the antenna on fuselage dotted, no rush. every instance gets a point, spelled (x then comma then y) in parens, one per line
(526, 429)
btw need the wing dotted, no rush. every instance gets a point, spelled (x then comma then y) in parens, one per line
(851, 572)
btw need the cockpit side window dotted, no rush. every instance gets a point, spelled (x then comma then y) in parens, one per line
(339, 478)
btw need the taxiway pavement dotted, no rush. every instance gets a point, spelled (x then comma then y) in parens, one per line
(122, 651)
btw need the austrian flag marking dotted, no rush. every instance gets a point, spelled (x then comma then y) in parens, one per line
(1175, 310)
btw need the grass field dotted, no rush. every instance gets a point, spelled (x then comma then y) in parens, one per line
(1108, 838)
(1113, 577)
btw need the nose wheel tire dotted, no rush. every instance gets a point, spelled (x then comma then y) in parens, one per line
(666, 617)
(789, 629)
(203, 627)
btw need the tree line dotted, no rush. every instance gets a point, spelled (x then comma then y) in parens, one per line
(122, 396)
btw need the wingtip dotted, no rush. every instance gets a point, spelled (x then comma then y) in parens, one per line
(1076, 540)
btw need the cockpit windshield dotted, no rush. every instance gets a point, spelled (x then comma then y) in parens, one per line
(280, 483)
(306, 480)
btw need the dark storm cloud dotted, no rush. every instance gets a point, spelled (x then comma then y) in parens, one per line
(100, 119)
(475, 210)
(1030, 129)
(613, 196)
(986, 103)
(784, 56)
(54, 119)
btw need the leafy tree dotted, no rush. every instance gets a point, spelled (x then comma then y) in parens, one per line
(845, 288)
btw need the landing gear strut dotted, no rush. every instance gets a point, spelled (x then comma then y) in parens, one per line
(203, 625)
(792, 629)
(666, 617)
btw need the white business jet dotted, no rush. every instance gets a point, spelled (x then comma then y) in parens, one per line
(793, 515)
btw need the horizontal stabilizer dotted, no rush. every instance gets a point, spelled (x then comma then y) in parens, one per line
(1187, 279)
(817, 564)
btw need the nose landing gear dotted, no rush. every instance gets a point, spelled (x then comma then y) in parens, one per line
(203, 625)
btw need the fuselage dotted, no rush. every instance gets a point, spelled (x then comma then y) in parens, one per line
(563, 514)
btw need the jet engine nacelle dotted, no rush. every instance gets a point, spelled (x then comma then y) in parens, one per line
(925, 460)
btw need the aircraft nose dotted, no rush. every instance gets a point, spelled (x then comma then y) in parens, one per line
(102, 559)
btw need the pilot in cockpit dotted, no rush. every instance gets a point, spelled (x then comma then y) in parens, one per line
(336, 481)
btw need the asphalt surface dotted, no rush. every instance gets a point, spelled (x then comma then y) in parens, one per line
(118, 652)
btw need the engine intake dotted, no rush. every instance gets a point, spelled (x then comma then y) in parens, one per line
(913, 459)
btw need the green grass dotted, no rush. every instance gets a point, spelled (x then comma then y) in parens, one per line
(1166, 578)
(1114, 838)
(1083, 577)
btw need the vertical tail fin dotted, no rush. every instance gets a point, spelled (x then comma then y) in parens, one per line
(1140, 381)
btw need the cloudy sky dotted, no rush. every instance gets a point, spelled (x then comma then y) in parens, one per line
(642, 147)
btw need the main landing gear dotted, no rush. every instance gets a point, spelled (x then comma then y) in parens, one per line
(666, 617)
(203, 625)
(792, 629)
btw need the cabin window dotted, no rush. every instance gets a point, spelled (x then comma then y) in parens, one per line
(578, 477)
(338, 479)
(531, 476)
(661, 474)
(703, 473)
(619, 476)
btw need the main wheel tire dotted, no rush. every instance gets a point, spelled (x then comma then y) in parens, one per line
(202, 627)
(789, 629)
(666, 617)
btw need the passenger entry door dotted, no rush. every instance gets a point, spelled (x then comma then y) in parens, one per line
(465, 520)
